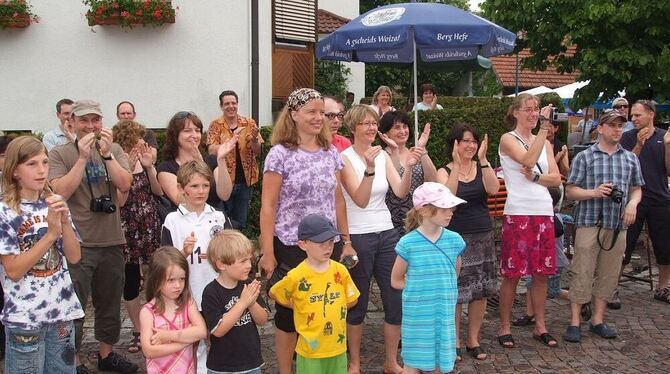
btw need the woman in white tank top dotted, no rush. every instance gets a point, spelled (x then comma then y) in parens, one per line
(367, 175)
(527, 246)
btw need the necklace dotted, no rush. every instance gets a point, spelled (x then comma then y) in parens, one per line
(466, 174)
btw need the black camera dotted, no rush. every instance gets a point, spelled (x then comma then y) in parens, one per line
(617, 194)
(103, 204)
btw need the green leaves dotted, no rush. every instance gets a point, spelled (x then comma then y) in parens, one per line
(621, 44)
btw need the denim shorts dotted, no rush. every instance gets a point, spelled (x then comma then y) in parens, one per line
(49, 349)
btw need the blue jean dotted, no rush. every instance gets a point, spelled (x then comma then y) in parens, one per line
(237, 206)
(376, 256)
(49, 349)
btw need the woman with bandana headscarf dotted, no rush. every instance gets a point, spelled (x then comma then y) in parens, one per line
(301, 176)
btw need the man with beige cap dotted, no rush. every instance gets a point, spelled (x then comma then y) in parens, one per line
(621, 104)
(89, 172)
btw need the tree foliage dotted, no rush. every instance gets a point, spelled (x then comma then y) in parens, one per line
(621, 44)
(330, 77)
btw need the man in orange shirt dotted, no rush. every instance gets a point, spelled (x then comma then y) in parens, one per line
(242, 164)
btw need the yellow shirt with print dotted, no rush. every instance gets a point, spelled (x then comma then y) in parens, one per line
(319, 302)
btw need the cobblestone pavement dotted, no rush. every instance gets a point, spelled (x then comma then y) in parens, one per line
(643, 345)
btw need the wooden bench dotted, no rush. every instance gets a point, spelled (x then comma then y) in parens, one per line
(496, 202)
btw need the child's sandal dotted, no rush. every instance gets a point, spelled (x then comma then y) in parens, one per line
(134, 345)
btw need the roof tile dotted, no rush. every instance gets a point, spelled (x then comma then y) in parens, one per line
(505, 69)
(329, 22)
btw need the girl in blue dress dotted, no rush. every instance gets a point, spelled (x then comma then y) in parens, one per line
(426, 269)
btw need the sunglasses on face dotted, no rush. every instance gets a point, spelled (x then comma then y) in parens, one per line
(620, 106)
(184, 114)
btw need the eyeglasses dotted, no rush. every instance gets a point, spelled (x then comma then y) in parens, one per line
(331, 116)
(369, 125)
(620, 106)
(184, 114)
(530, 110)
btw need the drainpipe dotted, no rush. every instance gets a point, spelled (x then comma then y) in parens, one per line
(516, 76)
(254, 62)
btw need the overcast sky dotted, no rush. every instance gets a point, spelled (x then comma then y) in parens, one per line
(474, 4)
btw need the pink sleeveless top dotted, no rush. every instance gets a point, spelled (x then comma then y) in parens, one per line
(178, 362)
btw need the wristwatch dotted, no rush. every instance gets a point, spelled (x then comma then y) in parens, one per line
(110, 157)
(536, 176)
(485, 166)
(366, 174)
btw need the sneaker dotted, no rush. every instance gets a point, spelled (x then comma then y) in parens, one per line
(603, 331)
(614, 302)
(116, 363)
(82, 369)
(662, 294)
(573, 334)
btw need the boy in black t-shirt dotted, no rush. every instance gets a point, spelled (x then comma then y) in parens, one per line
(232, 307)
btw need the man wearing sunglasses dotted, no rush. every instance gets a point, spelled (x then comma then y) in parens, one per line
(621, 104)
(652, 147)
(334, 114)
(242, 164)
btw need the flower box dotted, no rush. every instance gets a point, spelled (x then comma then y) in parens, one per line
(18, 22)
(16, 14)
(129, 13)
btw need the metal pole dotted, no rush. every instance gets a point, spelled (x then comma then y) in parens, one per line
(416, 107)
(516, 76)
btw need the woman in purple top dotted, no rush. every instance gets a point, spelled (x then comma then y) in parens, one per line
(301, 176)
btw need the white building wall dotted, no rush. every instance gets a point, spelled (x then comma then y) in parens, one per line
(349, 9)
(162, 70)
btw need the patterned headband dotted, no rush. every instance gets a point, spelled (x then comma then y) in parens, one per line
(298, 98)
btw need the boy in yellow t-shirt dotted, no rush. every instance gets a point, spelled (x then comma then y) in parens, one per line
(319, 291)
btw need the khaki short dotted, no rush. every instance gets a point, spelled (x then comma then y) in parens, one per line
(590, 259)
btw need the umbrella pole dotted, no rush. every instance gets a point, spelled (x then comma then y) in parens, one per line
(416, 106)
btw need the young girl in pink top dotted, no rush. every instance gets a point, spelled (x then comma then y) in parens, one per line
(170, 322)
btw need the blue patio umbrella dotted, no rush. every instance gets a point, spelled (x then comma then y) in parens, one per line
(397, 33)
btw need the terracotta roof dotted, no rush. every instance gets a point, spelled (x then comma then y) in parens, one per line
(329, 22)
(505, 66)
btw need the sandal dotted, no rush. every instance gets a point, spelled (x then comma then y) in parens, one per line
(546, 339)
(134, 345)
(507, 341)
(526, 320)
(459, 354)
(476, 352)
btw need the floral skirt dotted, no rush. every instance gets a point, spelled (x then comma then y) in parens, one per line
(528, 246)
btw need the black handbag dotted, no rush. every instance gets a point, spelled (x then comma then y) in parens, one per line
(165, 207)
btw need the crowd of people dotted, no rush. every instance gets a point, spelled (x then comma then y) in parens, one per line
(88, 213)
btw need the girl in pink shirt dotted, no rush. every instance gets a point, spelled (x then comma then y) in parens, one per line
(170, 322)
